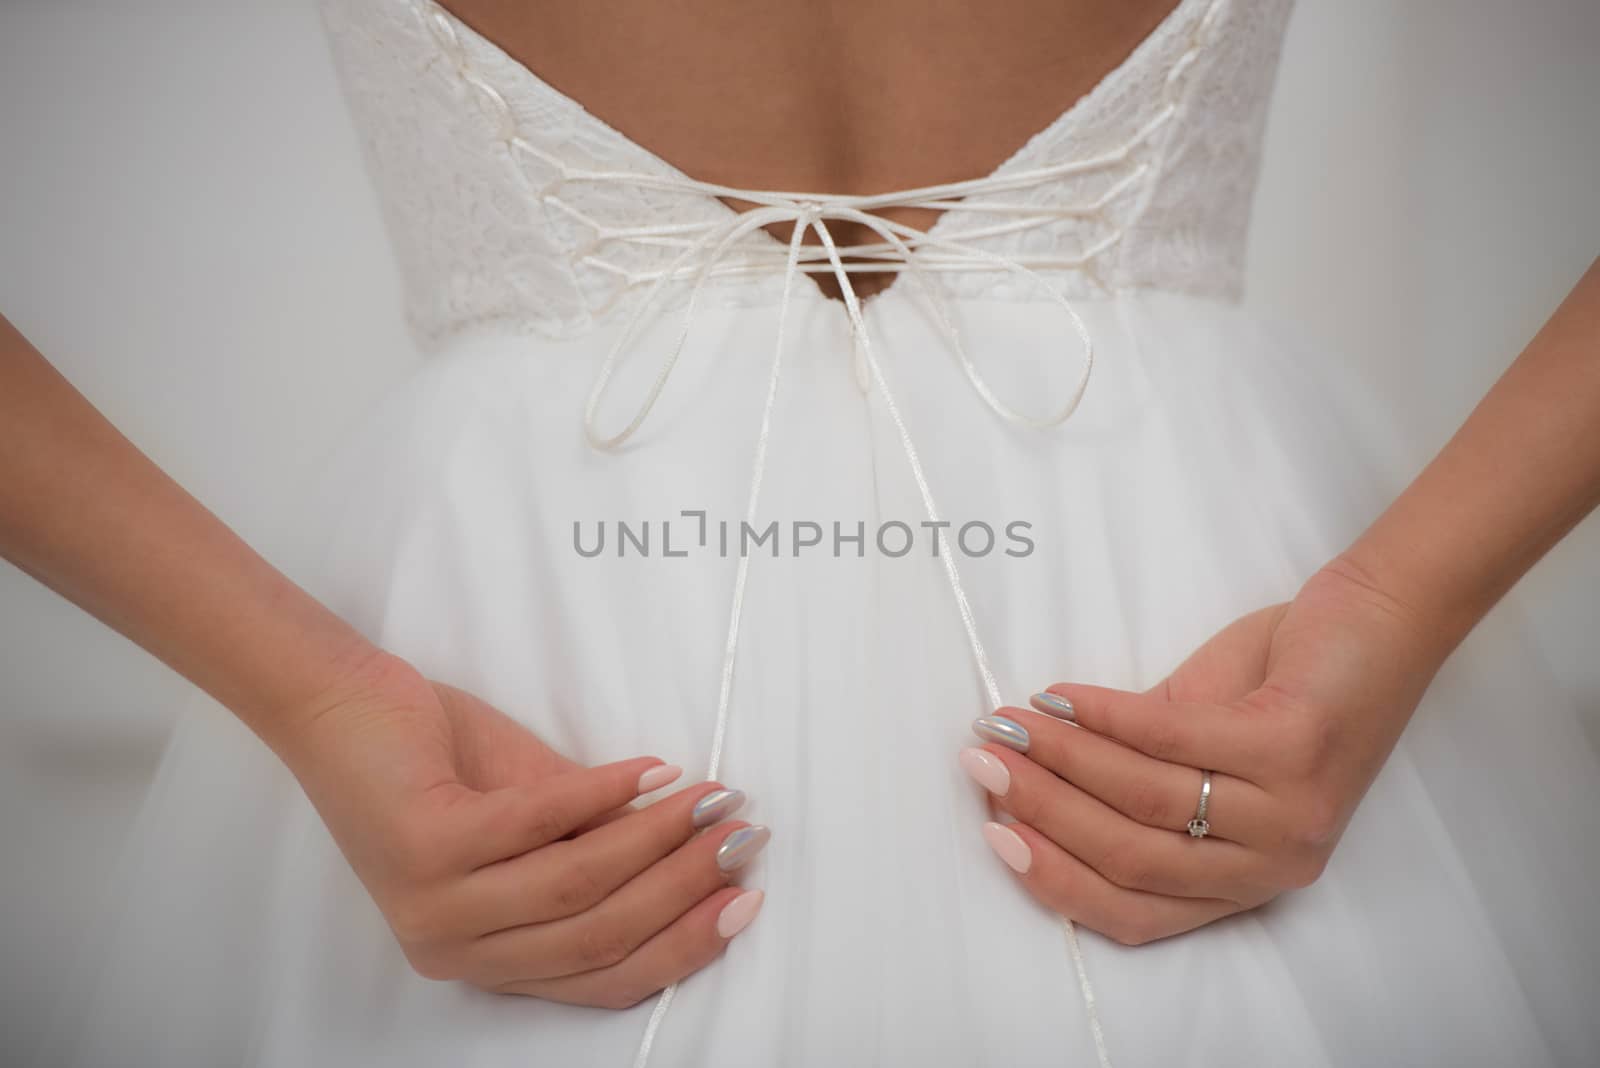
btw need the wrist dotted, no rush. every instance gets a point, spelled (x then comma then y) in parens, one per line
(1411, 613)
(356, 673)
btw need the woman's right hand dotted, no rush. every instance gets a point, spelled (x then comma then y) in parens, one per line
(500, 862)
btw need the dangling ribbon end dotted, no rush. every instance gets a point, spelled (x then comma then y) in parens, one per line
(862, 368)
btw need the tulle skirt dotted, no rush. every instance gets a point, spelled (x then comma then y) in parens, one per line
(1211, 468)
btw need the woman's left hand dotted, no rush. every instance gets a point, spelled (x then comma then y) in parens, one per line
(1293, 708)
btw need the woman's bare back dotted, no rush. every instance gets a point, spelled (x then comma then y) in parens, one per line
(829, 96)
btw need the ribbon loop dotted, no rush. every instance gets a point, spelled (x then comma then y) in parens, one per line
(807, 215)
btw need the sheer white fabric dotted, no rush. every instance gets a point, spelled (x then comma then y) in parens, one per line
(1205, 468)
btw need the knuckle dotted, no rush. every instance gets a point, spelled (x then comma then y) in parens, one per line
(601, 945)
(544, 823)
(621, 996)
(489, 969)
(433, 962)
(576, 889)
(1148, 804)
(490, 986)
(1316, 823)
(1121, 863)
(1132, 929)
(1305, 869)
(1161, 739)
(415, 920)
(520, 988)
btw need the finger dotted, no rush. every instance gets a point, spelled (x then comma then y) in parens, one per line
(1066, 885)
(1126, 853)
(503, 823)
(1224, 738)
(566, 878)
(622, 923)
(693, 941)
(1146, 790)
(617, 813)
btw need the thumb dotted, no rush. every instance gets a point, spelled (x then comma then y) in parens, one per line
(1226, 666)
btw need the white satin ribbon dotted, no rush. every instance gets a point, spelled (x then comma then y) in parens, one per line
(812, 214)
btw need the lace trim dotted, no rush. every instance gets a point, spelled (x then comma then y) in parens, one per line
(487, 175)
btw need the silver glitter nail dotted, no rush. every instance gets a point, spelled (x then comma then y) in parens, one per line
(1008, 732)
(717, 805)
(1052, 705)
(741, 846)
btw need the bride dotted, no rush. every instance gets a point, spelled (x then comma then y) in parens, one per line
(1037, 671)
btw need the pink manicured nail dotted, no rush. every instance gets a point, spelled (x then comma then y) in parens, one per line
(658, 776)
(1009, 844)
(987, 770)
(737, 914)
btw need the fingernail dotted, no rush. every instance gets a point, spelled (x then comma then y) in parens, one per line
(1052, 705)
(986, 769)
(717, 805)
(1008, 732)
(1010, 846)
(737, 914)
(740, 847)
(658, 776)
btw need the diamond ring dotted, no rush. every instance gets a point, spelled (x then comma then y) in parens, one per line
(1199, 827)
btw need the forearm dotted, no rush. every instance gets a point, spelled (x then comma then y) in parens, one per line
(1520, 473)
(90, 516)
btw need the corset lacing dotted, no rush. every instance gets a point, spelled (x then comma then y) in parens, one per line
(709, 249)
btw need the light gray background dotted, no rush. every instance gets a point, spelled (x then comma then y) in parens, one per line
(186, 231)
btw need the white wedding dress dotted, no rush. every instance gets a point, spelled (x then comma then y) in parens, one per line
(1208, 469)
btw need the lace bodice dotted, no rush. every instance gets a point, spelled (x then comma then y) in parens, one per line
(507, 201)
